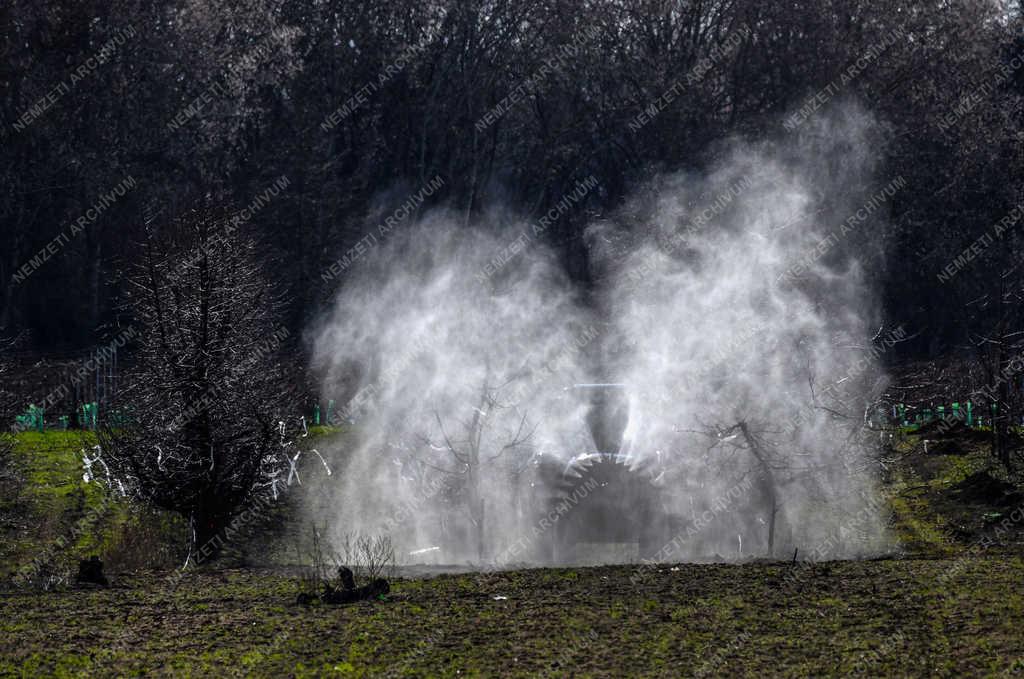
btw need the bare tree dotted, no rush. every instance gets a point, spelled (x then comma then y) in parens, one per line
(786, 449)
(998, 349)
(496, 428)
(989, 292)
(208, 395)
(767, 464)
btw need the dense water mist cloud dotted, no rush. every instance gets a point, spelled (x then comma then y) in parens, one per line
(734, 305)
(719, 305)
(439, 346)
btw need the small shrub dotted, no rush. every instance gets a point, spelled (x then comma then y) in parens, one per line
(359, 571)
(369, 556)
(314, 577)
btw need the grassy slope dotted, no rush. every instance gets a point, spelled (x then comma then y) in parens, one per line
(957, 612)
(49, 499)
(937, 506)
(51, 503)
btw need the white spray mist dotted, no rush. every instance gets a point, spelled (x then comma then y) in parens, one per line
(731, 328)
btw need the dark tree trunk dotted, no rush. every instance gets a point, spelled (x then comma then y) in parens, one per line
(769, 485)
(210, 525)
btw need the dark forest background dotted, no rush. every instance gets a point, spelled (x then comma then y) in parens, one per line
(264, 77)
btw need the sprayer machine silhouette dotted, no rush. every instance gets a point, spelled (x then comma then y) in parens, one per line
(601, 495)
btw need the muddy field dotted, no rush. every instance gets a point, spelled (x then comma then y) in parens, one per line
(923, 617)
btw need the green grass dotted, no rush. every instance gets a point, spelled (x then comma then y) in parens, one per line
(326, 431)
(52, 464)
(59, 518)
(57, 514)
(930, 516)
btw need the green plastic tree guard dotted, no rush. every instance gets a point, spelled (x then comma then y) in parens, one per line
(90, 412)
(32, 419)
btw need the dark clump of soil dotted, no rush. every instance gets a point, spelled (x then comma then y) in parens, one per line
(346, 592)
(942, 447)
(982, 488)
(373, 590)
(90, 572)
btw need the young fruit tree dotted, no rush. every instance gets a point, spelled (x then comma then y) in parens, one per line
(490, 446)
(202, 432)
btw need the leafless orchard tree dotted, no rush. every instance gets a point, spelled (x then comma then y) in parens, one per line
(988, 294)
(761, 445)
(999, 351)
(765, 461)
(486, 443)
(208, 392)
(770, 456)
